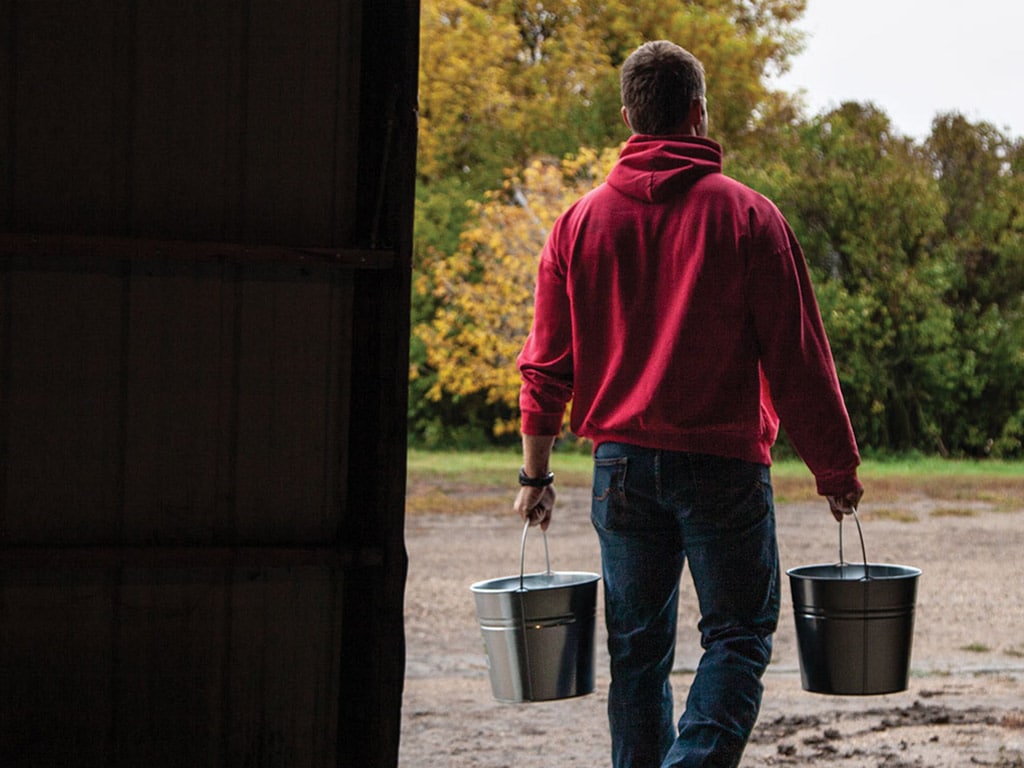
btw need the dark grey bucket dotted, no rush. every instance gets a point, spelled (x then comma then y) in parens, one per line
(854, 625)
(538, 632)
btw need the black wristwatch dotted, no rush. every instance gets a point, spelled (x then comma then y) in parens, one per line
(535, 482)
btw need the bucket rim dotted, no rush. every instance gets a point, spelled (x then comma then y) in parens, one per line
(903, 571)
(578, 578)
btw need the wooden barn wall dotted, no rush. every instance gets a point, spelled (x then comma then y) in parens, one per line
(205, 239)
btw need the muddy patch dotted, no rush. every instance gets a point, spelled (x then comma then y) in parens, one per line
(924, 734)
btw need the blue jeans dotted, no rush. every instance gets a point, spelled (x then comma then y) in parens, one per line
(653, 510)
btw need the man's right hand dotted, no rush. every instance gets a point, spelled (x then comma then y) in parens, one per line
(845, 504)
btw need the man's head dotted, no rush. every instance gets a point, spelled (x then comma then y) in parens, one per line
(663, 91)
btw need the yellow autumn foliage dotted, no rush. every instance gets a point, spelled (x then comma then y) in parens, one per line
(485, 289)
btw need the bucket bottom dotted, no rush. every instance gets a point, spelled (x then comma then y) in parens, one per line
(854, 657)
(539, 663)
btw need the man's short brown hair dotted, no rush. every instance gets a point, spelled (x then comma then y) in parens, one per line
(660, 80)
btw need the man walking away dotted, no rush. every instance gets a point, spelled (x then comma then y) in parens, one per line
(674, 309)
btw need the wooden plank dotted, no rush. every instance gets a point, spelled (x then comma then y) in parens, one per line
(58, 652)
(347, 157)
(168, 667)
(186, 169)
(8, 110)
(62, 405)
(235, 423)
(292, 344)
(64, 139)
(232, 121)
(292, 120)
(5, 396)
(283, 686)
(180, 404)
(169, 646)
(172, 400)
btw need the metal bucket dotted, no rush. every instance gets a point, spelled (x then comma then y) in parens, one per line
(538, 632)
(854, 624)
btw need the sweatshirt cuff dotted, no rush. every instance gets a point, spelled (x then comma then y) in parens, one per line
(838, 484)
(534, 423)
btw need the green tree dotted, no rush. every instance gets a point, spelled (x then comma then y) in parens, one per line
(869, 213)
(918, 257)
(981, 176)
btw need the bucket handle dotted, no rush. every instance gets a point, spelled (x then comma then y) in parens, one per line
(522, 554)
(863, 551)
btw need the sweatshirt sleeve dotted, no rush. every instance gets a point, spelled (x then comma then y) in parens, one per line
(546, 361)
(797, 360)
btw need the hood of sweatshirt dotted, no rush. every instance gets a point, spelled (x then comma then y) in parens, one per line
(654, 168)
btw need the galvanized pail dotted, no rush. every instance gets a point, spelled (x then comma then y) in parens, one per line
(538, 632)
(854, 624)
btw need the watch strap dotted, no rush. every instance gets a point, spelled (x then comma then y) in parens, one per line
(535, 482)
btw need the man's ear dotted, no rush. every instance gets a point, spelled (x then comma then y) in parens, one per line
(696, 113)
(697, 118)
(625, 118)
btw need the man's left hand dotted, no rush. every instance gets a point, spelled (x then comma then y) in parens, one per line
(535, 505)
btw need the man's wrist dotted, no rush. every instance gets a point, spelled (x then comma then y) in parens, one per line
(535, 482)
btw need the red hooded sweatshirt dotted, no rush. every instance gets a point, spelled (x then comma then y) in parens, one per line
(670, 301)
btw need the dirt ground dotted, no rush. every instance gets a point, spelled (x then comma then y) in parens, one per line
(965, 701)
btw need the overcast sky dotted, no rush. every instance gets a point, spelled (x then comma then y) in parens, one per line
(914, 59)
